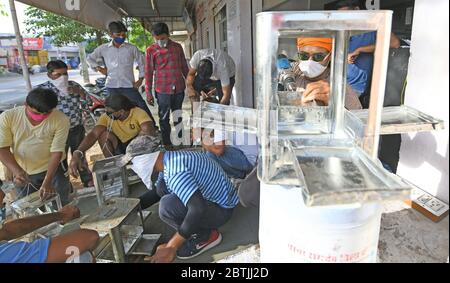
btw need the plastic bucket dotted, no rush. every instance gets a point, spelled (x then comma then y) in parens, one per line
(291, 232)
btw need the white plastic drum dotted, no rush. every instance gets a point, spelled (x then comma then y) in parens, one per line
(291, 232)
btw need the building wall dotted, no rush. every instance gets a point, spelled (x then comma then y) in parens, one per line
(239, 34)
(424, 157)
(239, 15)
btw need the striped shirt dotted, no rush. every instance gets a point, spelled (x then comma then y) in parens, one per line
(187, 172)
(168, 66)
(68, 104)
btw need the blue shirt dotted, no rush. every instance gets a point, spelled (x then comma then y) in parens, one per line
(188, 172)
(364, 62)
(357, 78)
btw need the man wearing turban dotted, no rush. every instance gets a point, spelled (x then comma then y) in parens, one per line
(313, 72)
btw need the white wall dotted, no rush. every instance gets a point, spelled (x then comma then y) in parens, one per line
(240, 49)
(424, 158)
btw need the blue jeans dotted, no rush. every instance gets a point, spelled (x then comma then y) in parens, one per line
(60, 182)
(76, 136)
(172, 211)
(233, 162)
(208, 85)
(167, 103)
(134, 95)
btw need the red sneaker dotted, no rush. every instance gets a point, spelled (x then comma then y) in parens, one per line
(199, 244)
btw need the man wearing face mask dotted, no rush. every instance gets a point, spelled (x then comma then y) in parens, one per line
(69, 95)
(313, 73)
(119, 58)
(166, 63)
(114, 131)
(33, 144)
(212, 66)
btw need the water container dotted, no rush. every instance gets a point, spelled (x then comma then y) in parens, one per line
(291, 232)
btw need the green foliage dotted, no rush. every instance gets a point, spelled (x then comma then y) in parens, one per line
(67, 31)
(63, 30)
(3, 10)
(138, 36)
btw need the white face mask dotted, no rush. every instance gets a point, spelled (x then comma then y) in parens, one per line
(162, 43)
(312, 69)
(143, 166)
(62, 84)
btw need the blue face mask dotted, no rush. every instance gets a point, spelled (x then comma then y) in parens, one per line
(283, 63)
(119, 40)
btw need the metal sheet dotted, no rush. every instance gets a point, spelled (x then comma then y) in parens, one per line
(402, 119)
(228, 118)
(146, 245)
(30, 204)
(110, 215)
(341, 174)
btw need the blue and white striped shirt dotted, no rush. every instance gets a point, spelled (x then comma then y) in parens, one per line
(187, 172)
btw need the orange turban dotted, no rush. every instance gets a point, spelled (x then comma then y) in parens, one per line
(326, 43)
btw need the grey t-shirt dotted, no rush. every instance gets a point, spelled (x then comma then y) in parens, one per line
(224, 67)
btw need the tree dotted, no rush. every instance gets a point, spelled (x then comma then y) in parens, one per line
(64, 31)
(3, 10)
(138, 35)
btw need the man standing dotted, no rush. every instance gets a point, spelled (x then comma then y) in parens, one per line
(69, 95)
(212, 66)
(33, 145)
(361, 49)
(116, 61)
(165, 60)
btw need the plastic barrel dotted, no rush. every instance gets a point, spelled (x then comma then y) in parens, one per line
(291, 232)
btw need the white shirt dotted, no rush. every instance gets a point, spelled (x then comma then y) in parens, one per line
(224, 67)
(119, 62)
(247, 143)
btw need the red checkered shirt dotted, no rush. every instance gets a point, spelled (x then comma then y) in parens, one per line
(169, 68)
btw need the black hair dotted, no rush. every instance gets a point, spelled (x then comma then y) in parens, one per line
(160, 28)
(119, 102)
(347, 3)
(43, 100)
(116, 27)
(282, 56)
(205, 69)
(56, 64)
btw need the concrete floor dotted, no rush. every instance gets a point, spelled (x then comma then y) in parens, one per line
(409, 237)
(239, 233)
(406, 235)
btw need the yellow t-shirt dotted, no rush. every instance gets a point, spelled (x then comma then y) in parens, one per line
(33, 145)
(128, 129)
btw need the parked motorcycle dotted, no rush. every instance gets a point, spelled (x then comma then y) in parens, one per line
(93, 106)
(18, 70)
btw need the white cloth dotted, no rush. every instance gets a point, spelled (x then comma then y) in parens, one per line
(143, 166)
(247, 143)
(62, 84)
(119, 62)
(224, 67)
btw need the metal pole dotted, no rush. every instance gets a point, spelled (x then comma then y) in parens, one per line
(26, 74)
(339, 82)
(381, 59)
(117, 244)
(84, 65)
